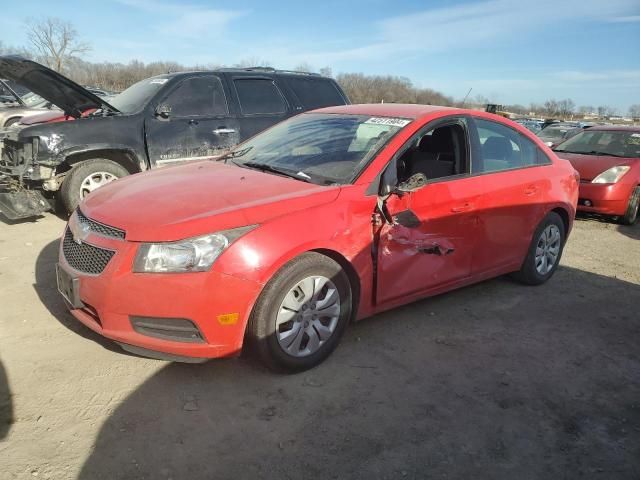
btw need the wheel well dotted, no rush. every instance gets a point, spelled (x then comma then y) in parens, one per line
(118, 156)
(11, 120)
(565, 218)
(354, 280)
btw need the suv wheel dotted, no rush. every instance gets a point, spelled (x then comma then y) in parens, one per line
(87, 177)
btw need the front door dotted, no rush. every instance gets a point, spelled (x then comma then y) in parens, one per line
(192, 122)
(435, 245)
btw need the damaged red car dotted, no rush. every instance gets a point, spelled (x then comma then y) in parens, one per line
(328, 217)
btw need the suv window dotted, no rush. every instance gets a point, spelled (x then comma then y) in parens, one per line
(198, 96)
(502, 148)
(259, 96)
(314, 92)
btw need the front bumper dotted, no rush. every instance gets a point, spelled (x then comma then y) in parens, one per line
(218, 304)
(605, 199)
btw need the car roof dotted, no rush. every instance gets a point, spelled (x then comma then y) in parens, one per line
(621, 128)
(403, 110)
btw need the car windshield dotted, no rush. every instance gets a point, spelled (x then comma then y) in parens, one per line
(134, 98)
(319, 148)
(32, 100)
(616, 143)
(554, 132)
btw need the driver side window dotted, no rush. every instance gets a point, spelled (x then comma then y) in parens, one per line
(198, 97)
(437, 153)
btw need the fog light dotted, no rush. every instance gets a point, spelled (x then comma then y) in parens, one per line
(587, 203)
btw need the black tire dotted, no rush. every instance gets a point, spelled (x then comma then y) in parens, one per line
(11, 121)
(261, 330)
(69, 193)
(631, 215)
(528, 273)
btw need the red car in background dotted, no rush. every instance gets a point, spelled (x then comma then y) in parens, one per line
(327, 217)
(608, 160)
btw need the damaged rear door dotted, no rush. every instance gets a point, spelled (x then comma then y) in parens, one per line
(191, 122)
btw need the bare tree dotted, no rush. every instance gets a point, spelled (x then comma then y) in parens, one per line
(634, 110)
(55, 41)
(566, 107)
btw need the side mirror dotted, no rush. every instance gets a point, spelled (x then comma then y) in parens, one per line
(388, 180)
(163, 110)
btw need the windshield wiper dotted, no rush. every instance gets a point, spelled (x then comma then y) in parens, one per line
(606, 154)
(264, 167)
(233, 154)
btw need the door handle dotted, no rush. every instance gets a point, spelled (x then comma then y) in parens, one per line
(223, 131)
(462, 208)
(531, 190)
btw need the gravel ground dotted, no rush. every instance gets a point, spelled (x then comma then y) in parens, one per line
(497, 380)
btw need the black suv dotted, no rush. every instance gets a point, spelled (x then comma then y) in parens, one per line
(156, 122)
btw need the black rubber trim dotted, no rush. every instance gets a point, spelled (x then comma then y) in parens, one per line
(145, 352)
(173, 329)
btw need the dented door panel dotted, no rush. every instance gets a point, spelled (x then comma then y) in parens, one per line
(438, 250)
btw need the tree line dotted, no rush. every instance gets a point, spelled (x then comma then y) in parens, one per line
(55, 43)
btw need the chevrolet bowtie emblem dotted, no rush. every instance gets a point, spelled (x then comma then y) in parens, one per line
(79, 231)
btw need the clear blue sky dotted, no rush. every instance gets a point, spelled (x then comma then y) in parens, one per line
(510, 51)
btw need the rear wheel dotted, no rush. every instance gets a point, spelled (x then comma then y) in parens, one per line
(301, 313)
(631, 215)
(87, 177)
(544, 252)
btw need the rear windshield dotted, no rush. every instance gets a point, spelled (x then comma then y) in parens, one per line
(315, 92)
(320, 148)
(134, 98)
(604, 142)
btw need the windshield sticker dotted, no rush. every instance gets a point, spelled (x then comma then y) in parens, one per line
(392, 122)
(160, 81)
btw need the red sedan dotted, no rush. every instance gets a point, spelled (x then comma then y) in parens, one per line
(608, 160)
(328, 217)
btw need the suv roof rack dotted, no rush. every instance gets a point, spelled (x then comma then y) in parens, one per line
(264, 69)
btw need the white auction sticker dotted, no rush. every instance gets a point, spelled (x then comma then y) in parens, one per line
(160, 81)
(392, 122)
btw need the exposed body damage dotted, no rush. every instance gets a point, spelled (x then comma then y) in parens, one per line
(157, 122)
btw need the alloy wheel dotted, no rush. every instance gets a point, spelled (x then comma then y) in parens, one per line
(94, 181)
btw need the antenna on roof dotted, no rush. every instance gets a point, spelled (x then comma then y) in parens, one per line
(466, 96)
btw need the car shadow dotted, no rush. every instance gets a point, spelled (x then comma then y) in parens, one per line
(496, 380)
(6, 404)
(46, 288)
(631, 231)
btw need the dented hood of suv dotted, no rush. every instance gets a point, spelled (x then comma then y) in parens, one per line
(174, 203)
(50, 85)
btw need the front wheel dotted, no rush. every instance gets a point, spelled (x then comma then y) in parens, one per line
(545, 251)
(87, 177)
(301, 313)
(631, 215)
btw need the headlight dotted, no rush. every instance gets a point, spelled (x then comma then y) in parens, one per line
(190, 255)
(612, 175)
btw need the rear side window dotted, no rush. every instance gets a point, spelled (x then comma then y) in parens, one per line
(259, 96)
(314, 92)
(198, 96)
(502, 148)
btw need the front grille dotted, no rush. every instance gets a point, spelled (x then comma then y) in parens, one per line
(85, 257)
(100, 228)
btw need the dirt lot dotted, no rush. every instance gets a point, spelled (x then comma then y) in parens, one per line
(494, 381)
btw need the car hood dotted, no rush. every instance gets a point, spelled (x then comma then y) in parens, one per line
(590, 166)
(50, 85)
(174, 203)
